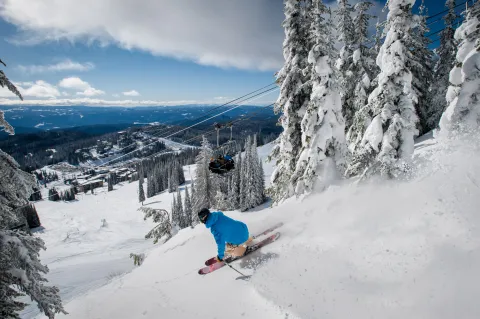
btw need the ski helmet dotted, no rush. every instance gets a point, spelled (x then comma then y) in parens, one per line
(203, 215)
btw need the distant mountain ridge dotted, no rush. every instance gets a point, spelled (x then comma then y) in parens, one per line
(29, 119)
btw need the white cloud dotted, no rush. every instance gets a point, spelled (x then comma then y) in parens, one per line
(23, 83)
(244, 34)
(39, 89)
(65, 65)
(91, 92)
(97, 102)
(74, 83)
(131, 93)
(43, 89)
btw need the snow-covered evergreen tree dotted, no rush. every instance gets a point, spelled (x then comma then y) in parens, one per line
(159, 181)
(245, 178)
(204, 192)
(170, 182)
(293, 99)
(21, 272)
(5, 82)
(345, 63)
(193, 190)
(141, 192)
(387, 125)
(323, 135)
(446, 59)
(421, 68)
(164, 227)
(258, 187)
(377, 41)
(180, 173)
(175, 215)
(150, 184)
(188, 207)
(363, 67)
(110, 182)
(221, 202)
(261, 181)
(141, 172)
(463, 96)
(53, 194)
(234, 196)
(184, 219)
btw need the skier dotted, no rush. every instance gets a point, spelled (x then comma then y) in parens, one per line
(232, 236)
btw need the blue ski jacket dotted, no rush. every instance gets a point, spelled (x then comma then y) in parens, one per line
(226, 230)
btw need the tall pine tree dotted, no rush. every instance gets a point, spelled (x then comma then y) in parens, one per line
(323, 135)
(204, 191)
(236, 181)
(422, 68)
(110, 182)
(188, 207)
(463, 96)
(293, 99)
(345, 63)
(446, 59)
(364, 69)
(183, 221)
(174, 213)
(387, 124)
(245, 177)
(258, 176)
(141, 192)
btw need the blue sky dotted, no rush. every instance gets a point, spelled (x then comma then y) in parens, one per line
(170, 52)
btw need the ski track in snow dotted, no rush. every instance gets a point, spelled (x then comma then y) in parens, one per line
(408, 249)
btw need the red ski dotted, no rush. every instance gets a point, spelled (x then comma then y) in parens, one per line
(280, 224)
(250, 249)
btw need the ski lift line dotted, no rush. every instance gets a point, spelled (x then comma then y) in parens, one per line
(161, 131)
(440, 19)
(207, 133)
(214, 130)
(446, 10)
(182, 130)
(189, 127)
(371, 42)
(227, 103)
(203, 116)
(432, 16)
(210, 132)
(436, 32)
(429, 17)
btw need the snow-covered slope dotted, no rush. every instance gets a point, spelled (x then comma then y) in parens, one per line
(406, 249)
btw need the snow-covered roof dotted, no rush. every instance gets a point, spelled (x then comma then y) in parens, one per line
(94, 181)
